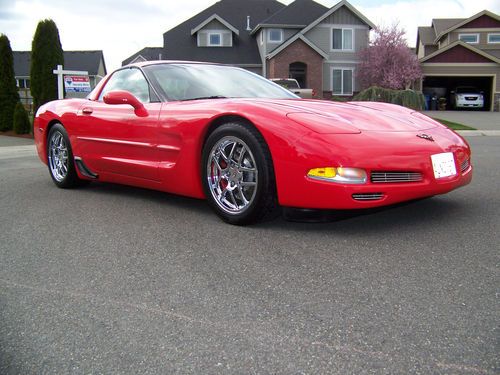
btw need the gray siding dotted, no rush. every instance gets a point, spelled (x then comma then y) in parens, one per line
(322, 37)
(269, 47)
(483, 39)
(214, 25)
(343, 16)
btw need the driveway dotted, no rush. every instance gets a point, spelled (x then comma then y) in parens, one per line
(476, 119)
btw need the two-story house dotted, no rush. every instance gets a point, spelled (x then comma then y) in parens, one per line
(316, 45)
(462, 52)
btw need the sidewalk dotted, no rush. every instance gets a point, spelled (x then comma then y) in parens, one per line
(6, 141)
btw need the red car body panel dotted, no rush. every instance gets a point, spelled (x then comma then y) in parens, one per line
(163, 149)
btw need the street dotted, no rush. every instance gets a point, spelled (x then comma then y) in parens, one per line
(113, 279)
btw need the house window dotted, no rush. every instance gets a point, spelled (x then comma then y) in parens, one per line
(23, 83)
(275, 35)
(342, 39)
(215, 39)
(342, 81)
(493, 38)
(469, 38)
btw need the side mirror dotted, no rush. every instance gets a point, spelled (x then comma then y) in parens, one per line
(125, 97)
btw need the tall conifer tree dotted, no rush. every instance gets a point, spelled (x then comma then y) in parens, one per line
(46, 54)
(9, 96)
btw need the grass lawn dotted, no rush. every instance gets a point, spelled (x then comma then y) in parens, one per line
(454, 125)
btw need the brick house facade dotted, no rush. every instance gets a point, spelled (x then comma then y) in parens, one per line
(299, 52)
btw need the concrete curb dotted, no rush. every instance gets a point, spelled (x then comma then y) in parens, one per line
(479, 133)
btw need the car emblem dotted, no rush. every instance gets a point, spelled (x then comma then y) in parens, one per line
(426, 136)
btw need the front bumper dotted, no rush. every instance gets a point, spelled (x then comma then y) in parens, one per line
(395, 152)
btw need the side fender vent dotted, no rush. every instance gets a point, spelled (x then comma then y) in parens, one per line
(84, 170)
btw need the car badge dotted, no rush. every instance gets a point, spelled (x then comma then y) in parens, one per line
(426, 136)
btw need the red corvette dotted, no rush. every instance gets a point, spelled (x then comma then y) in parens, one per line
(245, 144)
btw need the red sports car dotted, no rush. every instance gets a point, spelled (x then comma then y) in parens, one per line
(246, 144)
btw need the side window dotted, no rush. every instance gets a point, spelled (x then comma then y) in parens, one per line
(131, 80)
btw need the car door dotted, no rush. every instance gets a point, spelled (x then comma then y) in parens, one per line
(112, 138)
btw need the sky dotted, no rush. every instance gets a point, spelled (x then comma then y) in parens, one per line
(123, 27)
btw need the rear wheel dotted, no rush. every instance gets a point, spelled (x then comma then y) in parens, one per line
(238, 175)
(60, 158)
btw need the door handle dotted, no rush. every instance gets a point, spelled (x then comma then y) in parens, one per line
(87, 111)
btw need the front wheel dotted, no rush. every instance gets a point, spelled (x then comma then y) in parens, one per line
(60, 158)
(238, 174)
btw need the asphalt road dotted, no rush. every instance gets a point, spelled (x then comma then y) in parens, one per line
(110, 279)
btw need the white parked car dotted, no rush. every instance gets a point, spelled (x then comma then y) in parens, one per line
(467, 97)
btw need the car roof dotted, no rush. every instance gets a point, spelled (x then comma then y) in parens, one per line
(160, 62)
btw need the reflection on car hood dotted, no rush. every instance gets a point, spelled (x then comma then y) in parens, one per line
(365, 116)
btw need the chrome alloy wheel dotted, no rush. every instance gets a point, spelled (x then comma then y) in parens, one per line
(58, 156)
(232, 175)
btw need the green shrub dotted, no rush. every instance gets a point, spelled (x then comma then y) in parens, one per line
(22, 123)
(406, 98)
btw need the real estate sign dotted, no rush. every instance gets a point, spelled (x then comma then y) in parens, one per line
(77, 84)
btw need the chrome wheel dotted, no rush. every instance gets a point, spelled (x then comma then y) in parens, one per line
(232, 175)
(58, 156)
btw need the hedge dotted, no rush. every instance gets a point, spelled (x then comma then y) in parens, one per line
(406, 98)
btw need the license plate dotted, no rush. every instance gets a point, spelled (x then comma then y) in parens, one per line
(444, 165)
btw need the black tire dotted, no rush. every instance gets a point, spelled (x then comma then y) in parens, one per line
(243, 190)
(60, 159)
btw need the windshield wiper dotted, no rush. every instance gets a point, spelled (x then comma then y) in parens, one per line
(206, 97)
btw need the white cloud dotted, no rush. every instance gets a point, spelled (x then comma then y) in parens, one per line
(121, 28)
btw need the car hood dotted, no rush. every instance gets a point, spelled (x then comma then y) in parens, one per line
(363, 116)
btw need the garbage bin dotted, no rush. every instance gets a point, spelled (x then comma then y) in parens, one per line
(434, 103)
(427, 99)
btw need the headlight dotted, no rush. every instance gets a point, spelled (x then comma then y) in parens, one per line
(340, 175)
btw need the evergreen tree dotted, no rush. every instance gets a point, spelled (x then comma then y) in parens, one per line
(46, 54)
(22, 123)
(8, 89)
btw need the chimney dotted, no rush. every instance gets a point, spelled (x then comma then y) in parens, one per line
(248, 24)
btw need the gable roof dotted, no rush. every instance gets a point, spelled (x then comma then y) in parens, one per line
(293, 39)
(298, 14)
(180, 44)
(210, 19)
(147, 53)
(460, 44)
(426, 35)
(73, 60)
(443, 30)
(334, 9)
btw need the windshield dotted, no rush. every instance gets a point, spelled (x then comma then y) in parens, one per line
(467, 90)
(198, 81)
(287, 83)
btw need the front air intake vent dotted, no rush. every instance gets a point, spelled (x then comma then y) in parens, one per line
(395, 177)
(464, 165)
(368, 196)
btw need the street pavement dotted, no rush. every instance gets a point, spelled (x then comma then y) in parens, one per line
(118, 280)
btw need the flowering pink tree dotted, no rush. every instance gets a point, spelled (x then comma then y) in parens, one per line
(388, 62)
